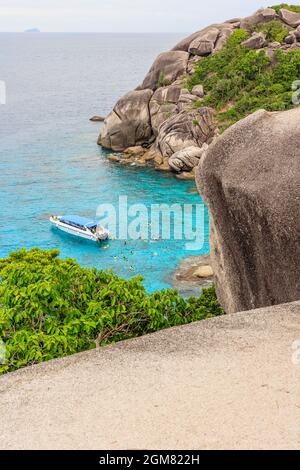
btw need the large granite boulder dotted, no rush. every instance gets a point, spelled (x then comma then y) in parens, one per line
(129, 123)
(224, 35)
(163, 104)
(291, 18)
(261, 16)
(166, 69)
(216, 33)
(256, 41)
(186, 129)
(184, 44)
(250, 180)
(204, 43)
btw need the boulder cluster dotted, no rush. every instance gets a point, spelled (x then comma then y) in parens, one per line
(157, 124)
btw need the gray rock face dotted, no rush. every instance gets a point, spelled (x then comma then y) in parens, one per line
(206, 35)
(129, 123)
(225, 34)
(297, 33)
(198, 91)
(204, 44)
(186, 100)
(186, 129)
(163, 105)
(290, 18)
(291, 38)
(185, 43)
(261, 16)
(166, 69)
(256, 41)
(250, 179)
(187, 159)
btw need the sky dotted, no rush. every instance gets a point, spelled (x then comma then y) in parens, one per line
(122, 15)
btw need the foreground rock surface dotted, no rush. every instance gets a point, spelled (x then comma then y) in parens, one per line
(250, 179)
(226, 383)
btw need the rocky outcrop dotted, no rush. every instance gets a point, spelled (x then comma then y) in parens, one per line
(250, 180)
(166, 69)
(186, 129)
(129, 123)
(166, 117)
(163, 104)
(261, 16)
(187, 159)
(204, 43)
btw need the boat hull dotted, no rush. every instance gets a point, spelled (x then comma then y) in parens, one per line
(77, 232)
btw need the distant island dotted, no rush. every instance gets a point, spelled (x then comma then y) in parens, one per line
(32, 30)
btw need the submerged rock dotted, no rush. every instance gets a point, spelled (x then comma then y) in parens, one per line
(193, 275)
(97, 119)
(250, 180)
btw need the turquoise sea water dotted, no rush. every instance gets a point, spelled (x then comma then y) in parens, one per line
(49, 159)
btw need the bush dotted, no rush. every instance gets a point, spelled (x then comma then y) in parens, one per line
(294, 8)
(275, 30)
(51, 308)
(239, 81)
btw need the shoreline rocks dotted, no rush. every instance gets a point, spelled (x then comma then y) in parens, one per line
(162, 115)
(129, 123)
(193, 275)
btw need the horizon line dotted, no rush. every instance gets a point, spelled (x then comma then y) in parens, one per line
(36, 33)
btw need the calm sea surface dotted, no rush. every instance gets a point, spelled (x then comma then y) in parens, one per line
(49, 159)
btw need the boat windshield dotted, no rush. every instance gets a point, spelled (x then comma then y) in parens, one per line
(79, 222)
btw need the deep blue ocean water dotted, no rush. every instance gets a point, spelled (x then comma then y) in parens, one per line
(49, 159)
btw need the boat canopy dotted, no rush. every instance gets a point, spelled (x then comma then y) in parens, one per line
(77, 221)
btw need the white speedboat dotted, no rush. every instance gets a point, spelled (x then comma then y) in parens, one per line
(80, 227)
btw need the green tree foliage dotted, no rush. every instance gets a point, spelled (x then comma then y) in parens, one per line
(51, 308)
(239, 81)
(285, 6)
(275, 30)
